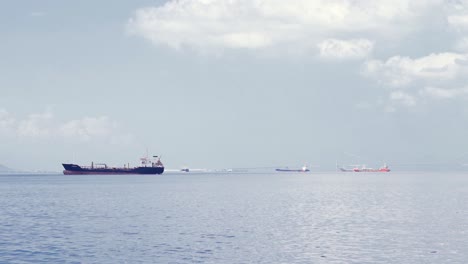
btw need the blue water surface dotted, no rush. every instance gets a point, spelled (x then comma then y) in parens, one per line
(235, 218)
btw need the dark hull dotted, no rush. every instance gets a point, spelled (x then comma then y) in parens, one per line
(289, 170)
(73, 169)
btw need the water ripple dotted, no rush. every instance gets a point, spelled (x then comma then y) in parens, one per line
(329, 218)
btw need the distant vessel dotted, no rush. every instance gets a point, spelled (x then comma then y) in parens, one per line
(384, 168)
(303, 169)
(147, 166)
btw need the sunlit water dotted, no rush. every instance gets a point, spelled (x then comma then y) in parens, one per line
(235, 218)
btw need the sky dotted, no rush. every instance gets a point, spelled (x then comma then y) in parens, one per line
(234, 83)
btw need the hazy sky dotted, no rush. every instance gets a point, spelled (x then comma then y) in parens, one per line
(233, 83)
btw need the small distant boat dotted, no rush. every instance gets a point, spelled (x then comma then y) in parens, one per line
(147, 166)
(363, 168)
(303, 169)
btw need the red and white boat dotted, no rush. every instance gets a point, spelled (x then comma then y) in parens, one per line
(363, 168)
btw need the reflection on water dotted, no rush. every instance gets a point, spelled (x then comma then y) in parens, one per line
(235, 218)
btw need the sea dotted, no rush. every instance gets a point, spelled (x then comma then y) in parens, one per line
(396, 217)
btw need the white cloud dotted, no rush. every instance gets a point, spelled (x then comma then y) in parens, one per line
(402, 71)
(400, 97)
(414, 79)
(7, 122)
(36, 125)
(459, 22)
(462, 44)
(259, 24)
(441, 93)
(87, 128)
(46, 126)
(331, 29)
(345, 49)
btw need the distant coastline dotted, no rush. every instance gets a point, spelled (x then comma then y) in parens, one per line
(3, 173)
(4, 170)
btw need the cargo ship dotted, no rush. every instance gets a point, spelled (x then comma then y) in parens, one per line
(303, 169)
(147, 166)
(384, 168)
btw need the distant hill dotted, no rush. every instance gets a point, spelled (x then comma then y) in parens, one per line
(4, 168)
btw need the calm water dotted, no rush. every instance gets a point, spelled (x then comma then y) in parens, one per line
(235, 218)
